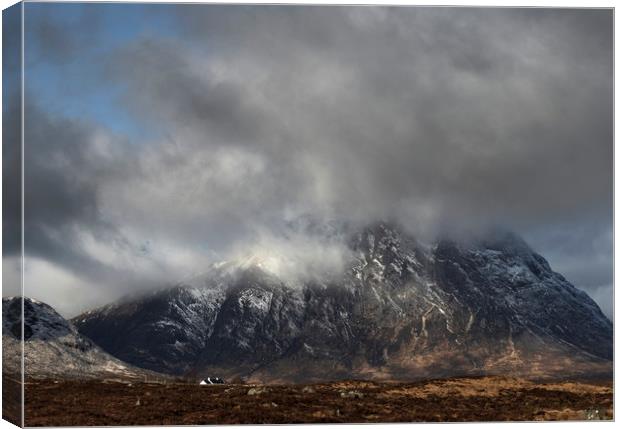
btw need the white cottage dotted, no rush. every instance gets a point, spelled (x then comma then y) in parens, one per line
(211, 380)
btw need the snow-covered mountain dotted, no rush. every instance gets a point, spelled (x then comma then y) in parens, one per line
(401, 310)
(52, 346)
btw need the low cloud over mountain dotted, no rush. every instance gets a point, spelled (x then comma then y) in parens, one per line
(190, 134)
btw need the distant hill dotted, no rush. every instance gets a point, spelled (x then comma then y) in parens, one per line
(53, 348)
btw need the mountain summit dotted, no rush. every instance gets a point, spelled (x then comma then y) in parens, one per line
(401, 310)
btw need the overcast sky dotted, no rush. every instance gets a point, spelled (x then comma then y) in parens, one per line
(162, 138)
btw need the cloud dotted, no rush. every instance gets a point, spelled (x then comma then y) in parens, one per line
(57, 39)
(69, 233)
(448, 120)
(391, 110)
(295, 257)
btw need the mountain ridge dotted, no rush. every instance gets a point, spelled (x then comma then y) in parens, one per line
(402, 309)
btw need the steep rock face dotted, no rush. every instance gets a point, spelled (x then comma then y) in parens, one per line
(401, 310)
(257, 322)
(164, 331)
(514, 289)
(52, 347)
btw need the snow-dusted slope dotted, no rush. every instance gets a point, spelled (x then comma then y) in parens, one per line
(163, 331)
(402, 309)
(52, 346)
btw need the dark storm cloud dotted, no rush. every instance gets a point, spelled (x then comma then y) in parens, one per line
(67, 163)
(472, 113)
(11, 174)
(60, 184)
(161, 70)
(448, 120)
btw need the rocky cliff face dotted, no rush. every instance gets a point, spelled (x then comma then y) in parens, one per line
(401, 310)
(163, 331)
(52, 347)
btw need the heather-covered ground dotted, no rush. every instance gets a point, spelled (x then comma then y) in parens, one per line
(68, 403)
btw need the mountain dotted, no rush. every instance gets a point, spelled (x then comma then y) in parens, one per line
(163, 331)
(52, 346)
(401, 310)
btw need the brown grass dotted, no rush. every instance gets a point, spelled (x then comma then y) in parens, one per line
(65, 403)
(12, 398)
